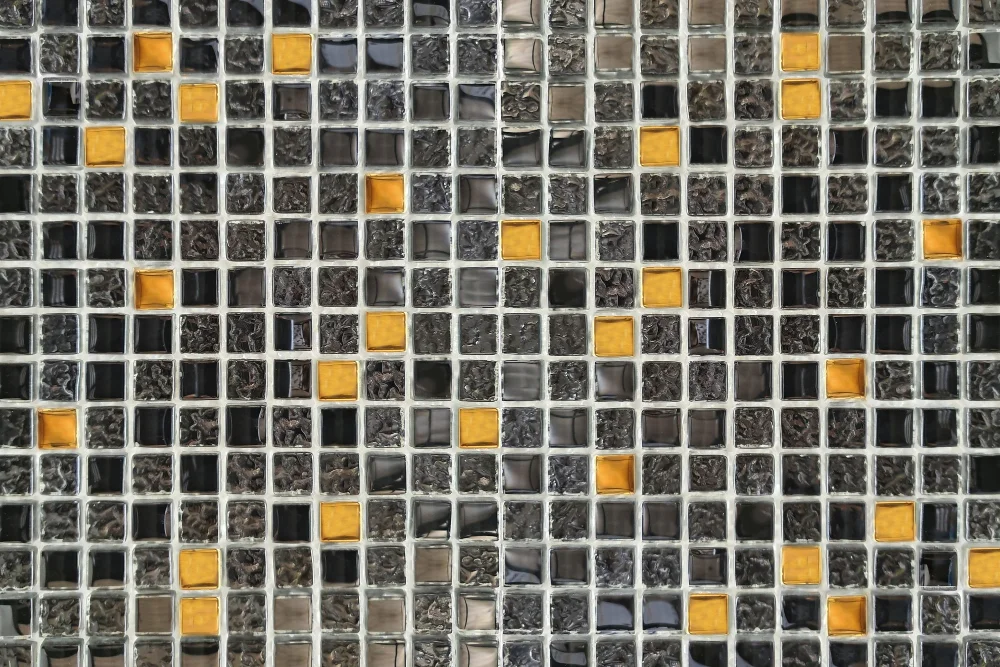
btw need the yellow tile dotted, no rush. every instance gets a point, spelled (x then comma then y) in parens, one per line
(800, 565)
(613, 336)
(340, 522)
(846, 615)
(895, 521)
(199, 616)
(104, 146)
(384, 193)
(199, 569)
(662, 287)
(800, 51)
(800, 99)
(199, 103)
(152, 52)
(15, 100)
(338, 380)
(845, 378)
(56, 428)
(984, 568)
(660, 146)
(154, 289)
(521, 239)
(478, 428)
(943, 239)
(291, 53)
(385, 332)
(708, 614)
(615, 474)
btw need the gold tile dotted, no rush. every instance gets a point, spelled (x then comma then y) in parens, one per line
(984, 568)
(152, 52)
(943, 239)
(154, 289)
(800, 99)
(338, 380)
(199, 103)
(56, 428)
(104, 146)
(662, 287)
(291, 53)
(199, 616)
(708, 614)
(521, 239)
(659, 146)
(846, 615)
(385, 332)
(845, 378)
(340, 522)
(384, 193)
(478, 428)
(199, 569)
(614, 336)
(895, 521)
(615, 473)
(800, 51)
(800, 565)
(15, 100)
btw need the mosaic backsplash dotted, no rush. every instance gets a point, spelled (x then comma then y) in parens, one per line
(520, 333)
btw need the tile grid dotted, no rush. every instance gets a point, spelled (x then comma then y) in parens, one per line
(592, 264)
(503, 633)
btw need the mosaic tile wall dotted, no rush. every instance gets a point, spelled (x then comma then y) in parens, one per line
(420, 333)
